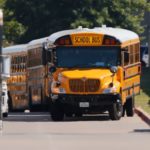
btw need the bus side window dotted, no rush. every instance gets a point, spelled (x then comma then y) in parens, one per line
(125, 57)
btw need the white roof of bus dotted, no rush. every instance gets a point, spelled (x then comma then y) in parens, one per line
(121, 34)
(38, 41)
(15, 48)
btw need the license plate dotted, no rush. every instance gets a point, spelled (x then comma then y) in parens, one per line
(84, 104)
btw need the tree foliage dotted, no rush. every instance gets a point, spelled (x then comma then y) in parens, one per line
(29, 19)
(2, 3)
(117, 13)
(13, 30)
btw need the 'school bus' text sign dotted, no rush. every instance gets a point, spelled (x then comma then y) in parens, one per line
(87, 39)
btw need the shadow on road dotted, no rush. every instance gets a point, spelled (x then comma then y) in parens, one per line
(28, 117)
(100, 117)
(45, 117)
(142, 130)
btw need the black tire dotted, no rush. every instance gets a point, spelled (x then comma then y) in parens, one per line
(5, 115)
(129, 107)
(10, 103)
(69, 114)
(124, 110)
(30, 98)
(116, 110)
(78, 114)
(57, 113)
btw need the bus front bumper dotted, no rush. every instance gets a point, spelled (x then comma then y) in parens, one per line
(90, 100)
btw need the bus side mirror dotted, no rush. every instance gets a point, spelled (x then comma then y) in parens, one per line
(45, 46)
(113, 69)
(126, 57)
(52, 69)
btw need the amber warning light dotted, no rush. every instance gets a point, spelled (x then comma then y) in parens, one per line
(86, 40)
(108, 40)
(65, 40)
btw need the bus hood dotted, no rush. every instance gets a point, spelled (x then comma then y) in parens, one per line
(87, 73)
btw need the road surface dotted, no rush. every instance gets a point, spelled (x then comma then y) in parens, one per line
(36, 131)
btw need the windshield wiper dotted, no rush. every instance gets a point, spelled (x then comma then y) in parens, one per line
(88, 65)
(79, 66)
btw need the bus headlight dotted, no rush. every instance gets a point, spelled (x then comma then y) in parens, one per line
(62, 90)
(58, 90)
(110, 90)
(60, 77)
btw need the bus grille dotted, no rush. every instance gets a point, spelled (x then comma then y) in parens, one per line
(79, 85)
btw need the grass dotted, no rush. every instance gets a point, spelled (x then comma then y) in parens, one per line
(143, 100)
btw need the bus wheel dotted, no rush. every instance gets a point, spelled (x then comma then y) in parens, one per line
(69, 114)
(78, 114)
(10, 103)
(124, 110)
(57, 113)
(5, 115)
(129, 107)
(116, 110)
(30, 98)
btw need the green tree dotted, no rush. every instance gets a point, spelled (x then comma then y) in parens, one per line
(13, 30)
(2, 2)
(41, 18)
(35, 18)
(115, 13)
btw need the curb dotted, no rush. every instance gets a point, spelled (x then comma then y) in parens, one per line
(143, 115)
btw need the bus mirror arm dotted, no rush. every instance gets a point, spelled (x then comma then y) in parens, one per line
(113, 69)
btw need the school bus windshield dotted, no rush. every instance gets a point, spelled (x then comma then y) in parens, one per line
(87, 57)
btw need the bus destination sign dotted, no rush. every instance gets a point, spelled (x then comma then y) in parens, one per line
(87, 39)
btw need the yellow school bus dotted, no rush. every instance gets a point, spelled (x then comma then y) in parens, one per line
(37, 83)
(93, 71)
(28, 82)
(17, 83)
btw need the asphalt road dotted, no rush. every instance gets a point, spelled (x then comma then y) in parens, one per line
(36, 131)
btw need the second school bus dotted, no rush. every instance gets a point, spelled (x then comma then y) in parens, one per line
(28, 82)
(17, 83)
(37, 83)
(94, 70)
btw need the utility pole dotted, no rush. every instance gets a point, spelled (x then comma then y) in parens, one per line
(1, 64)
